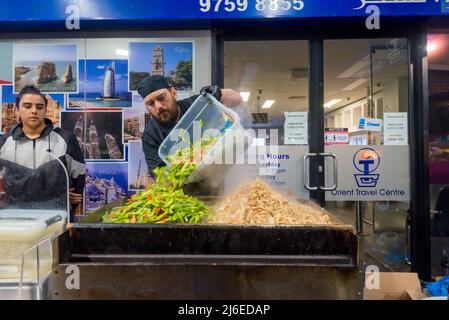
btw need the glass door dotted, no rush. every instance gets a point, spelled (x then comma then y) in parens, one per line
(273, 80)
(438, 75)
(358, 170)
(366, 145)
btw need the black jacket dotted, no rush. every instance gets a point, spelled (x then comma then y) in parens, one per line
(31, 174)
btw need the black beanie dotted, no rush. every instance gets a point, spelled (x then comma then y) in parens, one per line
(151, 84)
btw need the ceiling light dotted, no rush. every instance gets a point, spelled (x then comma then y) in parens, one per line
(267, 104)
(121, 52)
(332, 102)
(431, 47)
(245, 96)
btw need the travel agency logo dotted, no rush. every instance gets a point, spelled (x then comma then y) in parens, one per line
(366, 161)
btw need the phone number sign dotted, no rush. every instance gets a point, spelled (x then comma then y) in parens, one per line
(98, 10)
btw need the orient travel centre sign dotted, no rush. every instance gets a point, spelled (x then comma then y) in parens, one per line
(374, 173)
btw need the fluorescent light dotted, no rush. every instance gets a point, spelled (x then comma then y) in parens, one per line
(268, 103)
(330, 103)
(431, 47)
(355, 84)
(245, 96)
(121, 52)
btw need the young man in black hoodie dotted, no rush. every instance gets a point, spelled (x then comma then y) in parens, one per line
(28, 143)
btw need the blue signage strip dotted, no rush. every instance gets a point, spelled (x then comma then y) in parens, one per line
(59, 10)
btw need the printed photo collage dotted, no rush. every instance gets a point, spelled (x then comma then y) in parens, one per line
(96, 99)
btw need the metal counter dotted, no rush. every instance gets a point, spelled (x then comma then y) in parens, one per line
(142, 261)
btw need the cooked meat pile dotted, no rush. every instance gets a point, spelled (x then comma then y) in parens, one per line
(256, 203)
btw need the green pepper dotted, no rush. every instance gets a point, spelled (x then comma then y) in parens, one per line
(166, 193)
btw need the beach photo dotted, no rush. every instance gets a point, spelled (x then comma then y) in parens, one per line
(105, 183)
(103, 84)
(52, 68)
(173, 60)
(99, 133)
(135, 120)
(10, 116)
(138, 176)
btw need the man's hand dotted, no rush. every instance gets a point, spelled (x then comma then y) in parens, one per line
(75, 198)
(213, 90)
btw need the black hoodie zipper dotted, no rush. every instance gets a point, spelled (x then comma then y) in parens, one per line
(34, 154)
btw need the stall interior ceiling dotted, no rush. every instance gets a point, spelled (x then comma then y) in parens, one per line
(280, 69)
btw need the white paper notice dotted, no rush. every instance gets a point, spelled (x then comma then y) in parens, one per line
(395, 129)
(296, 128)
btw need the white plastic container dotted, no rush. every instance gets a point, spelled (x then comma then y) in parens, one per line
(20, 233)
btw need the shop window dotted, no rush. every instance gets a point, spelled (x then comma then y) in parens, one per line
(362, 76)
(438, 77)
(273, 76)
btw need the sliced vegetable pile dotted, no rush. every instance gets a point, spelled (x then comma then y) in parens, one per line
(159, 205)
(165, 201)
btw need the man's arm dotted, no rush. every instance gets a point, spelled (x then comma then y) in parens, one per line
(3, 139)
(77, 169)
(231, 98)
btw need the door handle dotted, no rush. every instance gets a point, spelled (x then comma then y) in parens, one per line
(335, 171)
(305, 176)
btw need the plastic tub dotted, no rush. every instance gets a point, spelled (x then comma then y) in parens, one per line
(20, 233)
(206, 117)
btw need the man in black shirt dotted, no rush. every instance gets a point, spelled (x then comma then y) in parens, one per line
(161, 102)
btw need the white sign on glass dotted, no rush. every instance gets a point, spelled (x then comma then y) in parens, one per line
(370, 124)
(296, 128)
(395, 128)
(370, 173)
(280, 166)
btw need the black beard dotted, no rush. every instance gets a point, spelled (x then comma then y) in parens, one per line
(173, 118)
